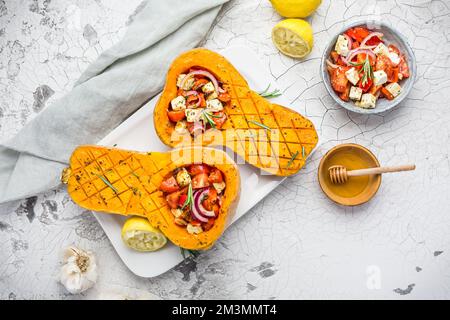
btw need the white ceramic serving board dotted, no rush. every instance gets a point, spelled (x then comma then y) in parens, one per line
(138, 133)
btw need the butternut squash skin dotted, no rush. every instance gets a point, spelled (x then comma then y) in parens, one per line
(282, 150)
(135, 179)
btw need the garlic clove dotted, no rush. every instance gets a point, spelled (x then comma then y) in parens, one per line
(79, 271)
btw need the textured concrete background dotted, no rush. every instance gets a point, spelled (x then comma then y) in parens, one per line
(295, 243)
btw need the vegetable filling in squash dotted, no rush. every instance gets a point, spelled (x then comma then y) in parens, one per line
(199, 103)
(194, 195)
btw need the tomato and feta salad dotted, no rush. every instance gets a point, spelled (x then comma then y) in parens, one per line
(199, 103)
(364, 68)
(193, 194)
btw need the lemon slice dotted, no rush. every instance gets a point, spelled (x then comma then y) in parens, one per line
(293, 37)
(295, 8)
(138, 234)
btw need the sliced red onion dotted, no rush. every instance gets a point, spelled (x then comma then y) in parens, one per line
(349, 41)
(331, 64)
(370, 36)
(203, 73)
(353, 53)
(198, 197)
(194, 93)
(197, 128)
(191, 93)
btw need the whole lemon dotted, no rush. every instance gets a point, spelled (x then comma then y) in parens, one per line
(295, 8)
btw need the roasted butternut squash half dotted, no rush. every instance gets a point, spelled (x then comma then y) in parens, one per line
(190, 194)
(206, 101)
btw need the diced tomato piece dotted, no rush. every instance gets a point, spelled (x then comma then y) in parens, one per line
(181, 92)
(210, 200)
(387, 94)
(169, 185)
(201, 96)
(215, 176)
(195, 169)
(366, 85)
(173, 199)
(385, 64)
(200, 181)
(208, 225)
(374, 89)
(355, 44)
(182, 200)
(199, 83)
(176, 116)
(403, 67)
(357, 33)
(224, 97)
(219, 121)
(334, 56)
(394, 76)
(338, 79)
(393, 48)
(216, 209)
(374, 41)
(346, 94)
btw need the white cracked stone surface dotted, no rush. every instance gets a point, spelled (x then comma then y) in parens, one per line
(295, 243)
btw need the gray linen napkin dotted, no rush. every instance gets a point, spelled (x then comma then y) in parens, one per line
(113, 87)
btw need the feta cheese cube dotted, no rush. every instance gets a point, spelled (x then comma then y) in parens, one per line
(178, 103)
(194, 229)
(212, 96)
(219, 186)
(368, 101)
(381, 49)
(187, 85)
(214, 105)
(193, 115)
(394, 58)
(183, 178)
(355, 93)
(379, 77)
(177, 213)
(181, 126)
(394, 88)
(341, 46)
(352, 76)
(180, 79)
(208, 88)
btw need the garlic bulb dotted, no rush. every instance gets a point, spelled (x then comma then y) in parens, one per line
(79, 271)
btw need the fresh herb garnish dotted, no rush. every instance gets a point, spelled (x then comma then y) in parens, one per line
(107, 183)
(193, 253)
(259, 124)
(292, 159)
(303, 152)
(188, 201)
(207, 116)
(266, 94)
(366, 69)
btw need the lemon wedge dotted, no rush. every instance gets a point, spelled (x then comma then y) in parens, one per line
(295, 8)
(138, 234)
(293, 37)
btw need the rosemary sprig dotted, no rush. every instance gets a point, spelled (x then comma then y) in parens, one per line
(266, 94)
(260, 124)
(366, 68)
(193, 253)
(292, 159)
(188, 201)
(107, 183)
(207, 116)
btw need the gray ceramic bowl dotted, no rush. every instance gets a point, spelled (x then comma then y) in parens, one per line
(390, 36)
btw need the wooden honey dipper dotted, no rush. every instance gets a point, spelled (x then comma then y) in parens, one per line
(339, 174)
